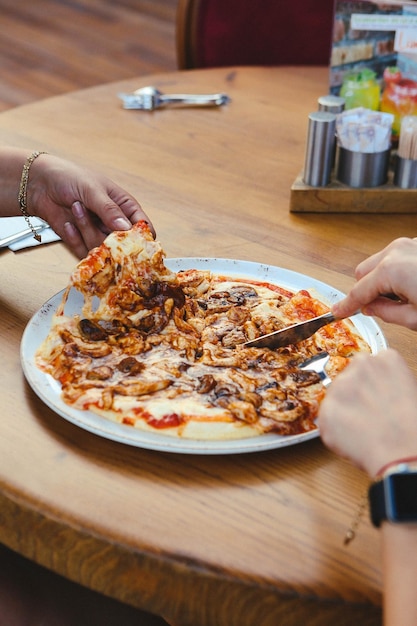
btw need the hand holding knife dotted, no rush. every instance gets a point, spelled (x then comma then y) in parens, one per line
(301, 330)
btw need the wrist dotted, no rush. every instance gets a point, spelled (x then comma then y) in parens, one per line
(22, 196)
(35, 183)
(381, 460)
(391, 466)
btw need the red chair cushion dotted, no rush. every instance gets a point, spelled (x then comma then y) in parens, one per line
(264, 32)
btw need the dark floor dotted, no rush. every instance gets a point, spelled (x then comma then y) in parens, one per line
(32, 596)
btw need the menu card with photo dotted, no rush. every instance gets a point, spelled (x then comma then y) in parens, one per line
(374, 56)
(373, 35)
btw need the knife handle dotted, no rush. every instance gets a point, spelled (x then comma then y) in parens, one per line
(6, 241)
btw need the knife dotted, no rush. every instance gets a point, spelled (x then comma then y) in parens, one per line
(292, 334)
(6, 241)
(303, 330)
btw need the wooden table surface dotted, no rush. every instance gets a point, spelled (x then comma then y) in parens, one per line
(253, 539)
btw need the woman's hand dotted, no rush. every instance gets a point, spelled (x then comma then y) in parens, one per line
(391, 271)
(80, 205)
(369, 413)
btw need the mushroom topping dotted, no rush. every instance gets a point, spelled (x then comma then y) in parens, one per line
(104, 372)
(206, 383)
(90, 331)
(131, 366)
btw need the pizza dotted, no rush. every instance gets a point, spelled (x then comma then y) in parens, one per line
(164, 351)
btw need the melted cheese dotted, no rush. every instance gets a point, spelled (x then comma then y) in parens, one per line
(163, 351)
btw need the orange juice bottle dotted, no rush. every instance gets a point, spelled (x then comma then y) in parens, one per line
(399, 97)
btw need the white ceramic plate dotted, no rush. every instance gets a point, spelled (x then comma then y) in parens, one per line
(49, 390)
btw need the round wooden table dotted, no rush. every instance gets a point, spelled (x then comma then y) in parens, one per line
(208, 540)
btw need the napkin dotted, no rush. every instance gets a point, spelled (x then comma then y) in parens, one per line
(363, 130)
(12, 225)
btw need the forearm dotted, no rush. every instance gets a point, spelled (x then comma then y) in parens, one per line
(11, 166)
(399, 550)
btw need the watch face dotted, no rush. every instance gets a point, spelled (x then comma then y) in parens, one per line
(401, 493)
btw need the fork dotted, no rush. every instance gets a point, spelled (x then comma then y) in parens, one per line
(317, 363)
(150, 98)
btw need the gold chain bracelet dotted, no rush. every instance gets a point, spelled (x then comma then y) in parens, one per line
(23, 190)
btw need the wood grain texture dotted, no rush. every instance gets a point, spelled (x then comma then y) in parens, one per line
(208, 540)
(50, 47)
(339, 198)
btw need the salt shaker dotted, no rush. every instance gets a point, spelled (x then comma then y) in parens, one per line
(331, 104)
(320, 148)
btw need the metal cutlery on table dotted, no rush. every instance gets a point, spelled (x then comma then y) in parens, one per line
(150, 98)
(22, 234)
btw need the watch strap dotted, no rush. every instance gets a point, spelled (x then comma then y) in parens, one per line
(376, 495)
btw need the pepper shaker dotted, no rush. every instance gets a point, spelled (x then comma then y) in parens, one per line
(320, 148)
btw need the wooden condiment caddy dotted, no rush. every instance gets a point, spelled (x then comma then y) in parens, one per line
(339, 198)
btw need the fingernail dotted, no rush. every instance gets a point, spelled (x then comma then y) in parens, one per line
(69, 229)
(122, 223)
(78, 210)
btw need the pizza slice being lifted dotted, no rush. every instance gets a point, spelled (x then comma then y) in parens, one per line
(163, 351)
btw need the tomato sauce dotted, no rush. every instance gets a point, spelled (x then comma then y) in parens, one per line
(170, 420)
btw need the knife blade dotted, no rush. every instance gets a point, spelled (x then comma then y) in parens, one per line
(292, 334)
(303, 330)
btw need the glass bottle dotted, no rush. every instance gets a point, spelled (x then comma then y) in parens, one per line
(361, 89)
(399, 97)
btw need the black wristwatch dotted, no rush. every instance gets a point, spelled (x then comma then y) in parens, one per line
(394, 496)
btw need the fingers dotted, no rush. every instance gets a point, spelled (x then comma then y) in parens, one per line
(401, 245)
(371, 302)
(114, 219)
(115, 207)
(393, 270)
(362, 293)
(88, 226)
(367, 295)
(368, 414)
(72, 237)
(370, 263)
(83, 233)
(393, 312)
(124, 216)
(87, 231)
(125, 208)
(338, 414)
